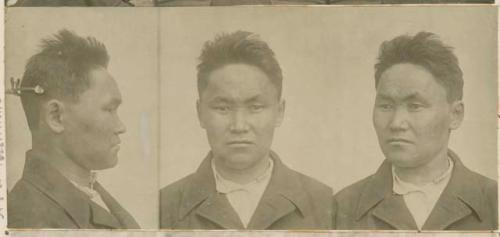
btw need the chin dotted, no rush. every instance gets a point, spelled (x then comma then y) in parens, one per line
(240, 161)
(402, 160)
(106, 163)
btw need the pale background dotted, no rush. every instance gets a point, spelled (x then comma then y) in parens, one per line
(130, 36)
(327, 56)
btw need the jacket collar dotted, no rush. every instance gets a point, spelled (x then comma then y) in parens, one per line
(77, 204)
(281, 197)
(461, 197)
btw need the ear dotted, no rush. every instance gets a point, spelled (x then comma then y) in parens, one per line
(53, 115)
(200, 116)
(457, 114)
(281, 113)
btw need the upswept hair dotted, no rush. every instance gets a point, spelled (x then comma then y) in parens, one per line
(238, 47)
(61, 68)
(426, 50)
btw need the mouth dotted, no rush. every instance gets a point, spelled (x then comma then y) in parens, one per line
(399, 141)
(240, 143)
(116, 146)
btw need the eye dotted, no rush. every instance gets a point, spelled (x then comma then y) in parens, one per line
(222, 108)
(415, 106)
(256, 107)
(385, 106)
(110, 109)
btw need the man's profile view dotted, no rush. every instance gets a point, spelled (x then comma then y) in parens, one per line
(242, 184)
(70, 101)
(422, 184)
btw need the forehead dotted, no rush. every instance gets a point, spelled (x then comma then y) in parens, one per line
(238, 81)
(401, 80)
(102, 87)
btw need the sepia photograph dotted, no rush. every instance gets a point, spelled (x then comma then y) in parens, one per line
(82, 119)
(392, 108)
(306, 119)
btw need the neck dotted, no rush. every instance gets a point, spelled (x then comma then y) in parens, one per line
(58, 159)
(425, 173)
(242, 176)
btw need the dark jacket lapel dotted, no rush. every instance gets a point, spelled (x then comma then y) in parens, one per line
(387, 206)
(84, 212)
(217, 209)
(281, 197)
(461, 197)
(126, 221)
(102, 218)
(53, 184)
(201, 196)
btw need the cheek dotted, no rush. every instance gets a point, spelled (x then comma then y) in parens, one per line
(97, 128)
(380, 121)
(265, 123)
(215, 125)
(432, 126)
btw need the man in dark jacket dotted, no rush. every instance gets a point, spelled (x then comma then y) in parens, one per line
(242, 184)
(70, 101)
(422, 184)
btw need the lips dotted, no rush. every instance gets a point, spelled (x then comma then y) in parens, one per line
(240, 143)
(116, 145)
(398, 141)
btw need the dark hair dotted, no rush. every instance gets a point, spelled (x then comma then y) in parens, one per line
(238, 47)
(426, 50)
(61, 68)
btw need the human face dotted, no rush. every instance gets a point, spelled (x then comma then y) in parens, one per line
(239, 109)
(412, 116)
(92, 126)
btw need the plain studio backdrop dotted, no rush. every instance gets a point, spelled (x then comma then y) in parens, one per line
(130, 35)
(327, 56)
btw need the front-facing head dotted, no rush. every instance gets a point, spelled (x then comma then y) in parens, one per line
(77, 113)
(239, 106)
(419, 99)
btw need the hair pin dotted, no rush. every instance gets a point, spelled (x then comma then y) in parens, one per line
(16, 89)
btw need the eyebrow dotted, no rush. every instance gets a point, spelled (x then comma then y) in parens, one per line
(220, 99)
(411, 96)
(252, 99)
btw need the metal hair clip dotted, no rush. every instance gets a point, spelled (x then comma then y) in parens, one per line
(16, 89)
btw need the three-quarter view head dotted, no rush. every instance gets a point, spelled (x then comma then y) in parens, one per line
(419, 99)
(239, 106)
(76, 116)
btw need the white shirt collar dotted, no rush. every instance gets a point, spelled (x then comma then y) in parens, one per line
(402, 187)
(227, 186)
(90, 192)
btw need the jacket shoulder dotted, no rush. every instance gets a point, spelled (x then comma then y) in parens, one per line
(352, 191)
(175, 188)
(486, 183)
(314, 186)
(346, 200)
(170, 200)
(319, 196)
(489, 187)
(28, 207)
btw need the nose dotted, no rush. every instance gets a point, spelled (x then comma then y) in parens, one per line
(399, 120)
(239, 123)
(121, 128)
